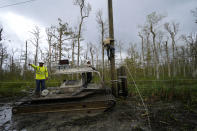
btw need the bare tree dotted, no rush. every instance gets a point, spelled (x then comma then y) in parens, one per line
(191, 41)
(142, 50)
(167, 58)
(54, 51)
(12, 60)
(146, 33)
(63, 33)
(103, 30)
(50, 32)
(153, 19)
(25, 65)
(85, 9)
(73, 52)
(3, 50)
(3, 55)
(172, 29)
(183, 55)
(36, 41)
(160, 50)
(74, 40)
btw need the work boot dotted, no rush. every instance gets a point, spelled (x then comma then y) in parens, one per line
(37, 94)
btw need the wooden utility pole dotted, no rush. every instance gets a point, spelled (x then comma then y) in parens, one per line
(112, 59)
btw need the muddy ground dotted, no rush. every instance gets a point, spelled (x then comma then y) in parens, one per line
(126, 116)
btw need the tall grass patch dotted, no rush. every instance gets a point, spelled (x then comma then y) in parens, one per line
(165, 90)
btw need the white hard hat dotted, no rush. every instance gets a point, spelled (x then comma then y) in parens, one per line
(45, 92)
(41, 61)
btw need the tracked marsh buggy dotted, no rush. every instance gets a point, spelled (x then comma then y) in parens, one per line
(70, 96)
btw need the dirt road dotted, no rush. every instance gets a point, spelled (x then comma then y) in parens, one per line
(126, 116)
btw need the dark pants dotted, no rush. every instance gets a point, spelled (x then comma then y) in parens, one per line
(38, 83)
(87, 78)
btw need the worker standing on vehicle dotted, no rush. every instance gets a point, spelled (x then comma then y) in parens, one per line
(41, 76)
(89, 74)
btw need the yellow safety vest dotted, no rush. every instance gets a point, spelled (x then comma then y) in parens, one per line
(41, 72)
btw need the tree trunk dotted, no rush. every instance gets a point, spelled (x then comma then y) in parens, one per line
(73, 53)
(78, 40)
(168, 60)
(173, 55)
(25, 66)
(103, 61)
(2, 58)
(60, 44)
(50, 54)
(148, 56)
(143, 61)
(156, 59)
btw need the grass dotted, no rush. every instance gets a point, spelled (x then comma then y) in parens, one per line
(12, 89)
(19, 88)
(166, 90)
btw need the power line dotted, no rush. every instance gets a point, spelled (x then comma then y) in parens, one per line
(19, 3)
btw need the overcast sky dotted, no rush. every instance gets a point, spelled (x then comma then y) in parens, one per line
(128, 14)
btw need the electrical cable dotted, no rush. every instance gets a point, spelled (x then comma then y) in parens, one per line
(18, 3)
(145, 107)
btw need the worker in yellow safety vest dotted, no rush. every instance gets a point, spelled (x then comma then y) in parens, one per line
(41, 76)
